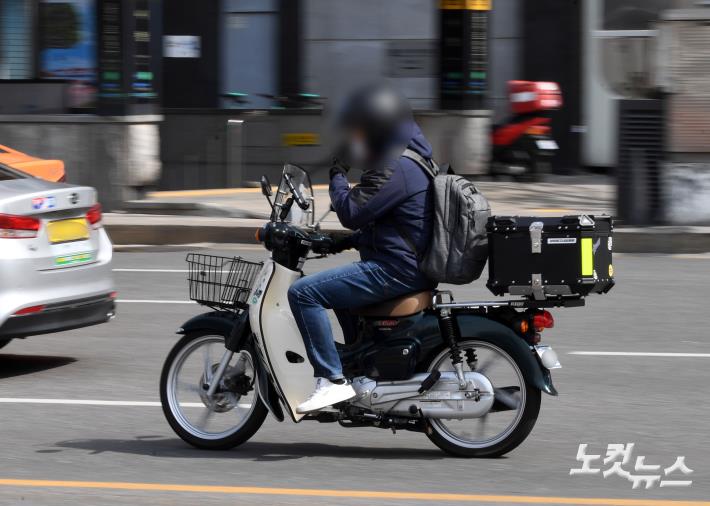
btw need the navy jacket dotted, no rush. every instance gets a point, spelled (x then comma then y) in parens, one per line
(391, 208)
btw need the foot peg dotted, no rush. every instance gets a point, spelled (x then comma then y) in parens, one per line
(430, 381)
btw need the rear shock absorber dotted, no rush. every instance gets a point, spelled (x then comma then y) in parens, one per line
(450, 332)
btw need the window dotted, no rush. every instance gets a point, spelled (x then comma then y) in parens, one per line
(7, 174)
(634, 14)
(16, 39)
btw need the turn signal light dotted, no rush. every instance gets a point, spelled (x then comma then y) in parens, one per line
(543, 320)
(94, 215)
(18, 227)
(538, 130)
(29, 310)
(523, 327)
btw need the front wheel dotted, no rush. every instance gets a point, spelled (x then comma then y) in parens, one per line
(509, 421)
(231, 414)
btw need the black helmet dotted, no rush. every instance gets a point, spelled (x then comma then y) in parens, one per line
(378, 111)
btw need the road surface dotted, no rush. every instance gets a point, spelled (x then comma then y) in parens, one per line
(80, 425)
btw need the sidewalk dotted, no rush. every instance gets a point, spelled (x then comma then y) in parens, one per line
(233, 215)
(562, 195)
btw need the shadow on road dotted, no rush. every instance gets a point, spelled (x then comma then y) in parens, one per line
(19, 365)
(155, 446)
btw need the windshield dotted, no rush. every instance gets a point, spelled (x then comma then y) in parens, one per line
(7, 174)
(297, 178)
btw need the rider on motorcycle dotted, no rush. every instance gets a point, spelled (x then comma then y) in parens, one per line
(391, 211)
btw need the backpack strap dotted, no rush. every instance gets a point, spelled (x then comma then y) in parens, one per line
(427, 164)
(431, 169)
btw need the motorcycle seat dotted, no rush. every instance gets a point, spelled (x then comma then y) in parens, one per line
(407, 305)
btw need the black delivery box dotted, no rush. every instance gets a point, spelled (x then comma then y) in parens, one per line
(550, 257)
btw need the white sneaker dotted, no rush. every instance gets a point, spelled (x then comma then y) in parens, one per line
(326, 394)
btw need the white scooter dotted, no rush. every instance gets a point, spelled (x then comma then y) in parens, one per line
(468, 375)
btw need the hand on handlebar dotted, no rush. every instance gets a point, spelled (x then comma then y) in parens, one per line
(333, 243)
(342, 242)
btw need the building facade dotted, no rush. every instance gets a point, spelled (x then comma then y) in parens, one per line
(199, 63)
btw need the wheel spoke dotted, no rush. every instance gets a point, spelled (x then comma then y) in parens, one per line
(499, 368)
(488, 363)
(507, 398)
(482, 422)
(206, 355)
(188, 387)
(204, 418)
(208, 419)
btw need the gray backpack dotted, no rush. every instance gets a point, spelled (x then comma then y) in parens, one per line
(458, 249)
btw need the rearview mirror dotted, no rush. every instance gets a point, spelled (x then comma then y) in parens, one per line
(266, 187)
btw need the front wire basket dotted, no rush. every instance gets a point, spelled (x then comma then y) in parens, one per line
(221, 282)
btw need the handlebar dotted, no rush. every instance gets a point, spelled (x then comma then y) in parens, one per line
(283, 237)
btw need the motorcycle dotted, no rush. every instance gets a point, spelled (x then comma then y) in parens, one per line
(468, 375)
(523, 147)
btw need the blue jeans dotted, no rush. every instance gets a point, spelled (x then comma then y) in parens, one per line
(354, 285)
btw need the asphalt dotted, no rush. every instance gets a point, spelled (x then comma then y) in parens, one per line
(657, 402)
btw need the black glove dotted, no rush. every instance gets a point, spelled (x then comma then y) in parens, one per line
(342, 242)
(339, 167)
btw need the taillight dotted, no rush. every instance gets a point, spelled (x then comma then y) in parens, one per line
(93, 216)
(62, 179)
(18, 227)
(29, 310)
(543, 320)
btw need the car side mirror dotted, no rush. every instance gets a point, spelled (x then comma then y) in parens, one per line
(266, 190)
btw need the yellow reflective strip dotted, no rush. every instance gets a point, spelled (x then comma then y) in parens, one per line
(479, 5)
(452, 4)
(587, 257)
(300, 139)
(469, 5)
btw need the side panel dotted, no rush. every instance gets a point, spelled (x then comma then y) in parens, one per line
(477, 327)
(276, 334)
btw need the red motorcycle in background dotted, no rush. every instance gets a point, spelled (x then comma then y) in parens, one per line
(524, 146)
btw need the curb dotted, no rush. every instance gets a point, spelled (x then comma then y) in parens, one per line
(188, 209)
(161, 234)
(669, 240)
(665, 240)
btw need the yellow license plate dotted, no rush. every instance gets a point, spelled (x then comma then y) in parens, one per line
(75, 229)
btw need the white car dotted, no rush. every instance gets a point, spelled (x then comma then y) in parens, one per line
(55, 257)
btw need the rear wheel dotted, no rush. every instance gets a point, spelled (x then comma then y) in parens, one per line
(228, 417)
(512, 417)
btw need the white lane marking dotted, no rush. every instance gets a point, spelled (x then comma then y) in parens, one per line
(90, 402)
(638, 354)
(179, 271)
(140, 301)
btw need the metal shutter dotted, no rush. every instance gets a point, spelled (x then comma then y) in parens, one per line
(641, 148)
(688, 75)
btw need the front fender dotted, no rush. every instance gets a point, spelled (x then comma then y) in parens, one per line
(220, 322)
(490, 331)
